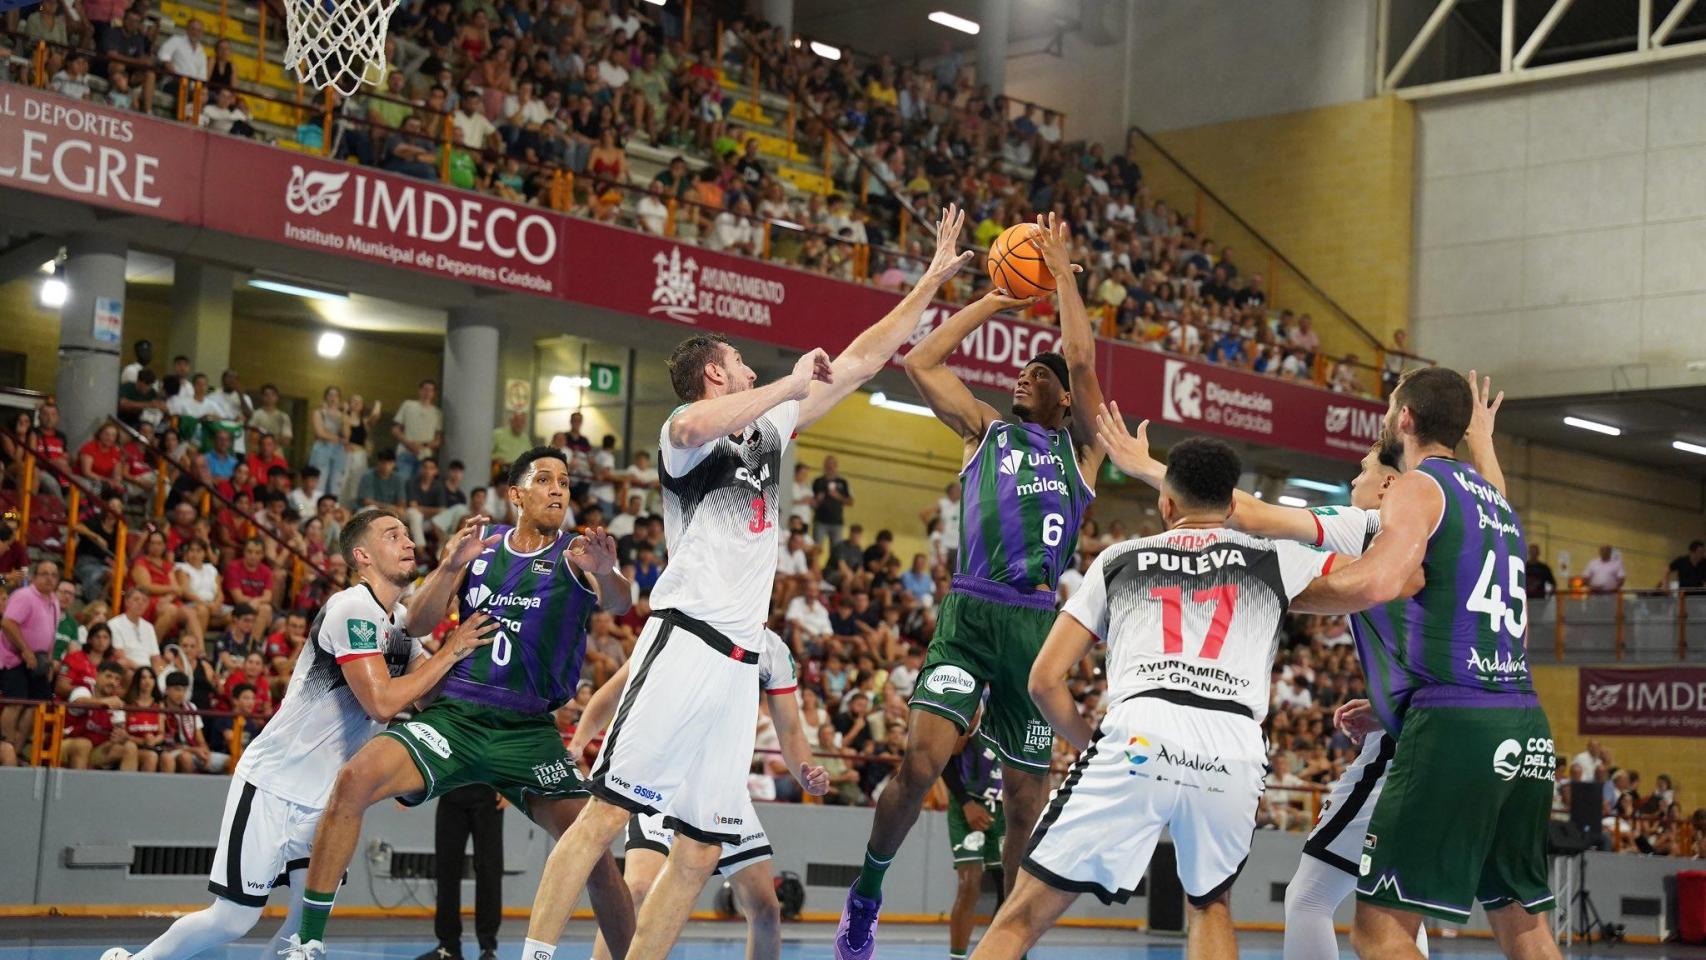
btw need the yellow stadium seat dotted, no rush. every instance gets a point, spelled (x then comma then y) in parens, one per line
(751, 113)
(806, 180)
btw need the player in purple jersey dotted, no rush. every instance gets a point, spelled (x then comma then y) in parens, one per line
(1027, 483)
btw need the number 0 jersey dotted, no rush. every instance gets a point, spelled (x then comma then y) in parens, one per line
(1194, 611)
(1023, 503)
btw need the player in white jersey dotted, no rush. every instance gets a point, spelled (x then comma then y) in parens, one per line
(746, 862)
(682, 738)
(358, 669)
(1327, 872)
(1189, 618)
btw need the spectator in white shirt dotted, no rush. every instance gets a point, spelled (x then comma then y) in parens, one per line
(733, 232)
(134, 642)
(1288, 694)
(1121, 209)
(73, 81)
(611, 72)
(808, 615)
(183, 53)
(473, 130)
(791, 557)
(642, 478)
(622, 525)
(652, 210)
(1604, 573)
(226, 115)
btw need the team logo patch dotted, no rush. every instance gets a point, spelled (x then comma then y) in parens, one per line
(950, 679)
(1011, 461)
(429, 738)
(1134, 751)
(363, 634)
(478, 567)
(541, 565)
(1507, 760)
(1366, 865)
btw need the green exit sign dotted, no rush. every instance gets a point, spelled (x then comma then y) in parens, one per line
(606, 378)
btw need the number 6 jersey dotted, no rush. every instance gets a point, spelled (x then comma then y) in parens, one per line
(1023, 503)
(1196, 612)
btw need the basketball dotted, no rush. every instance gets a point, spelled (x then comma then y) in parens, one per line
(1016, 264)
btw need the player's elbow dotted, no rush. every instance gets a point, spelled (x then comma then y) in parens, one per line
(619, 604)
(1041, 684)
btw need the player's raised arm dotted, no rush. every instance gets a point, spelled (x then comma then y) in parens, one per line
(1077, 340)
(796, 751)
(950, 399)
(427, 605)
(703, 421)
(384, 696)
(595, 553)
(1479, 437)
(1130, 452)
(599, 711)
(865, 357)
(1393, 561)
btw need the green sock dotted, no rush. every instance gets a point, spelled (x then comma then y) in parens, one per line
(316, 909)
(870, 882)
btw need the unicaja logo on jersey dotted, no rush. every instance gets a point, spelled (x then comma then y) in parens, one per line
(478, 596)
(1181, 396)
(1011, 461)
(1507, 760)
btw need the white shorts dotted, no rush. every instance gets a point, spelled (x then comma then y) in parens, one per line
(681, 743)
(1339, 831)
(1195, 771)
(262, 837)
(647, 832)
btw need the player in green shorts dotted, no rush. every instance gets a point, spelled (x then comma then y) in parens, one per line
(1463, 815)
(977, 827)
(492, 721)
(1026, 486)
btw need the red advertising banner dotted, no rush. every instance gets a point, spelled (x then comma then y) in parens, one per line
(122, 161)
(1656, 701)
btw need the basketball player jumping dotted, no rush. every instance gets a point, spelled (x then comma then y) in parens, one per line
(681, 743)
(359, 667)
(1027, 484)
(492, 723)
(1327, 872)
(1449, 678)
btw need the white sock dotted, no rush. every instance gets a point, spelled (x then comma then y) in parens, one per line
(292, 917)
(537, 950)
(1315, 891)
(222, 922)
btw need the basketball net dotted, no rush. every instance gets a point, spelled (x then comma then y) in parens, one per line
(337, 43)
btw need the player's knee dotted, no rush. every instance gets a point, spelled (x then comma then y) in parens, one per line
(638, 887)
(234, 920)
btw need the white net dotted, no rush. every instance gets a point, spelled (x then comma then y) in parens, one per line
(337, 43)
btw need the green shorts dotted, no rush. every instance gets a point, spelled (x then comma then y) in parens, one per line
(455, 743)
(982, 643)
(976, 846)
(1463, 814)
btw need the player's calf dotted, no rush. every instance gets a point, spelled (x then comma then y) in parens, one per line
(1033, 907)
(1209, 935)
(1522, 935)
(1381, 933)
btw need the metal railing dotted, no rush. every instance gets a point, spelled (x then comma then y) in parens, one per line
(49, 717)
(1643, 626)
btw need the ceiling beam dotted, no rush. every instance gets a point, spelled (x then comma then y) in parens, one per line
(1417, 44)
(1671, 21)
(1543, 30)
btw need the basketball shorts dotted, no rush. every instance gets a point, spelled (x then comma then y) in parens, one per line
(262, 837)
(455, 743)
(1195, 771)
(982, 642)
(681, 743)
(647, 832)
(1464, 814)
(976, 846)
(1337, 837)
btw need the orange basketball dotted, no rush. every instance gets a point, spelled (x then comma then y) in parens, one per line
(1016, 265)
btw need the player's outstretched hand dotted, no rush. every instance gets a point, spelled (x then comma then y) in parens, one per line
(814, 367)
(1054, 238)
(470, 635)
(594, 552)
(577, 748)
(466, 543)
(1357, 719)
(948, 260)
(1006, 301)
(1484, 411)
(814, 779)
(1128, 451)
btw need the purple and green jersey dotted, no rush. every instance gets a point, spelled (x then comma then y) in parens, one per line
(1023, 503)
(1461, 641)
(534, 660)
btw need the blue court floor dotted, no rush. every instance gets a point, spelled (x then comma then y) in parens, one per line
(83, 939)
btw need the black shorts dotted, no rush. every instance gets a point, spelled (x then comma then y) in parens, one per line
(22, 683)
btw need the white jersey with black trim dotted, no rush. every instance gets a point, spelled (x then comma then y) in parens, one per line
(777, 671)
(1346, 530)
(321, 724)
(1194, 611)
(720, 518)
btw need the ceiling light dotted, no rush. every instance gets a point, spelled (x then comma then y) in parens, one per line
(826, 51)
(49, 265)
(1687, 447)
(331, 345)
(1286, 500)
(1317, 485)
(297, 290)
(658, 3)
(54, 292)
(881, 399)
(952, 22)
(563, 386)
(1594, 425)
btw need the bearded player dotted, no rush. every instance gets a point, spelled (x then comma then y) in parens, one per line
(492, 723)
(1026, 486)
(1327, 872)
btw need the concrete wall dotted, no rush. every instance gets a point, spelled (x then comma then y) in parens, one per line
(51, 812)
(1560, 231)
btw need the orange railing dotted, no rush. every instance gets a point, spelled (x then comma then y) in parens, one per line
(1635, 625)
(48, 727)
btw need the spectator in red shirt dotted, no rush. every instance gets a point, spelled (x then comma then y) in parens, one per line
(253, 674)
(51, 445)
(171, 604)
(285, 643)
(242, 480)
(180, 526)
(235, 526)
(186, 742)
(14, 557)
(100, 462)
(142, 719)
(264, 459)
(139, 458)
(249, 580)
(77, 671)
(94, 739)
(19, 438)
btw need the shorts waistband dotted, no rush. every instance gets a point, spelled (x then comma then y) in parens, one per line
(997, 592)
(1185, 698)
(1449, 695)
(708, 634)
(486, 695)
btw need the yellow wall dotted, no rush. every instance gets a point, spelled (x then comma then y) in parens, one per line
(1684, 758)
(1331, 187)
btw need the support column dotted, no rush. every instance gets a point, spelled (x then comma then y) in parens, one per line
(91, 329)
(992, 17)
(470, 388)
(201, 316)
(781, 14)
